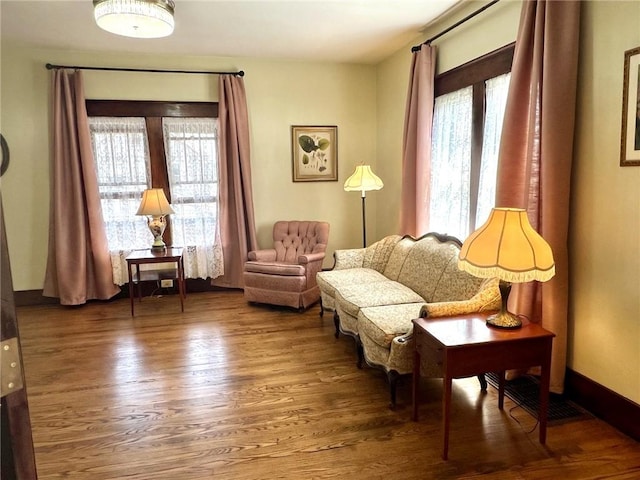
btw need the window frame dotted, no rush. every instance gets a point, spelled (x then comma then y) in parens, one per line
(153, 111)
(474, 73)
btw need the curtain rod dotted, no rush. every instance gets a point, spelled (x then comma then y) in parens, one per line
(75, 67)
(455, 25)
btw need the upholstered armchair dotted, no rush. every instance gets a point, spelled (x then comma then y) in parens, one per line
(286, 274)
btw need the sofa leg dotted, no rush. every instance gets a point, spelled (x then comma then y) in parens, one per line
(336, 322)
(360, 352)
(483, 382)
(321, 308)
(393, 377)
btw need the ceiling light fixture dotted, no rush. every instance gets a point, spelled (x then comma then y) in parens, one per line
(135, 18)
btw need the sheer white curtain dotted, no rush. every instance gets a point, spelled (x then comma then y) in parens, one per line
(451, 157)
(121, 151)
(191, 146)
(451, 163)
(496, 90)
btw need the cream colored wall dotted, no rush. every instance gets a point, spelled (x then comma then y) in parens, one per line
(604, 317)
(605, 222)
(280, 94)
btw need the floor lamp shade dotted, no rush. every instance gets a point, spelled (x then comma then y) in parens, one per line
(363, 180)
(155, 206)
(507, 247)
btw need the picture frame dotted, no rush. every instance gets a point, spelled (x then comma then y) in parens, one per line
(314, 151)
(630, 138)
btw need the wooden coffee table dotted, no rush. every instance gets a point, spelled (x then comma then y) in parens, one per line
(464, 346)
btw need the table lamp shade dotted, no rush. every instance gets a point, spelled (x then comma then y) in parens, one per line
(154, 202)
(507, 247)
(363, 180)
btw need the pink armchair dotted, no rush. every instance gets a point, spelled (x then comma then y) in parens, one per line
(286, 274)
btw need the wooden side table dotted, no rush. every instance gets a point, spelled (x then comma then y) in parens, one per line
(464, 346)
(147, 256)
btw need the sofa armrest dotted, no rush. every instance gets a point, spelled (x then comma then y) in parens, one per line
(310, 257)
(405, 338)
(266, 255)
(486, 300)
(348, 258)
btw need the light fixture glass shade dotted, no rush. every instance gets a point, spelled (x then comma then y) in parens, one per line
(135, 18)
(363, 180)
(507, 247)
(154, 204)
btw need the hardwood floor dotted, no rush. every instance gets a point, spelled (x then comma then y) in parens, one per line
(235, 391)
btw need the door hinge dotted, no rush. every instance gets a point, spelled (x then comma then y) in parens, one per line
(10, 367)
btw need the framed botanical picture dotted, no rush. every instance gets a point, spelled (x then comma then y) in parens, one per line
(314, 153)
(630, 141)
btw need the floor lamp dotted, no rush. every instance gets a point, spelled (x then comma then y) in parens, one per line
(363, 180)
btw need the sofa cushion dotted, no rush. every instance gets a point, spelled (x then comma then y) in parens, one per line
(275, 268)
(376, 256)
(455, 285)
(361, 295)
(426, 261)
(383, 323)
(398, 257)
(331, 280)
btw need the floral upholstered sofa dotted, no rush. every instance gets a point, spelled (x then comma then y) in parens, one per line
(376, 291)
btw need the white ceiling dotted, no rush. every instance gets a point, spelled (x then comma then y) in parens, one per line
(358, 31)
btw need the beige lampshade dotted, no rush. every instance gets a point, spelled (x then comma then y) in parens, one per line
(507, 247)
(154, 203)
(363, 180)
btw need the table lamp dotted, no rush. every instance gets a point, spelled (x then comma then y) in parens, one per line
(363, 180)
(155, 206)
(507, 247)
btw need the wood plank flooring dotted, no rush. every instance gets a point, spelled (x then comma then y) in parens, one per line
(229, 390)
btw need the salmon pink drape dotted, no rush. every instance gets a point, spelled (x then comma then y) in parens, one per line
(536, 152)
(416, 152)
(78, 266)
(237, 223)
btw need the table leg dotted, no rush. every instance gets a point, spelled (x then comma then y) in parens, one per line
(139, 282)
(545, 379)
(446, 411)
(415, 383)
(501, 380)
(130, 287)
(181, 283)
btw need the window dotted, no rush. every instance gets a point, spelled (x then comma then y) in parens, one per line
(139, 145)
(467, 123)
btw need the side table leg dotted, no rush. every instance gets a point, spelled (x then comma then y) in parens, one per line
(501, 381)
(130, 288)
(415, 384)
(181, 283)
(545, 380)
(446, 411)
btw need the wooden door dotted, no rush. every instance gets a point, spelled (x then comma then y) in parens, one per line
(18, 458)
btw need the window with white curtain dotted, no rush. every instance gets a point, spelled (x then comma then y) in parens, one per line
(179, 154)
(451, 162)
(467, 124)
(191, 147)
